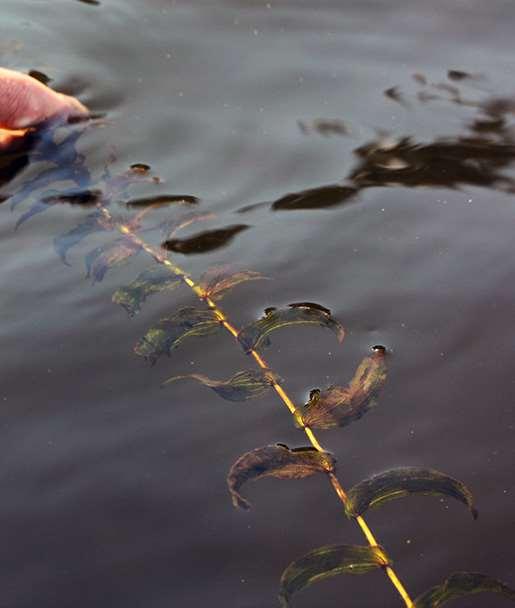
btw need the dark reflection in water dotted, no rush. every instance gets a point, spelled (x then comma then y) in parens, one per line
(315, 198)
(161, 200)
(41, 76)
(474, 159)
(204, 241)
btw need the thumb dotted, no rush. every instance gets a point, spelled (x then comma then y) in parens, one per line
(26, 102)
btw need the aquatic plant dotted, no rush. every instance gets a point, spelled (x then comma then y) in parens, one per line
(333, 406)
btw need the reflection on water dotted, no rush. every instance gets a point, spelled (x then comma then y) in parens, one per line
(476, 158)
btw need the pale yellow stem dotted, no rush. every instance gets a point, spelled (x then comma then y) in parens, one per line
(162, 259)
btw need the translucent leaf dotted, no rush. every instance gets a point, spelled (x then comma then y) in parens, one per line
(242, 386)
(326, 562)
(101, 259)
(462, 584)
(170, 332)
(204, 241)
(146, 283)
(306, 313)
(94, 222)
(338, 406)
(81, 198)
(276, 461)
(217, 281)
(396, 483)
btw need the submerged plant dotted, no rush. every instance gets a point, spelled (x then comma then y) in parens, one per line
(331, 407)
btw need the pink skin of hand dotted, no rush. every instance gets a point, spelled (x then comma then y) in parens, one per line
(25, 102)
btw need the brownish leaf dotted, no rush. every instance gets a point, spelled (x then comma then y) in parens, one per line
(276, 461)
(338, 405)
(404, 481)
(242, 386)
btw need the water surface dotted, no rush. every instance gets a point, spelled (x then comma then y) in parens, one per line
(395, 210)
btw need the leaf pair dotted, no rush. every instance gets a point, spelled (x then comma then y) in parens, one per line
(256, 334)
(338, 406)
(282, 462)
(333, 560)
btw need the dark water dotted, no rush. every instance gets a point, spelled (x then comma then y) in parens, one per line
(402, 222)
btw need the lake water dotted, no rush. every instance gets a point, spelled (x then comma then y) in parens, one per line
(401, 221)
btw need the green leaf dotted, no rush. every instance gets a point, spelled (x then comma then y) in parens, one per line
(397, 483)
(101, 259)
(242, 386)
(170, 332)
(256, 334)
(217, 281)
(146, 283)
(326, 562)
(338, 406)
(462, 584)
(276, 461)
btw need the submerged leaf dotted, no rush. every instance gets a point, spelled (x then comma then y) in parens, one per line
(242, 386)
(326, 562)
(338, 405)
(462, 584)
(94, 222)
(170, 332)
(146, 283)
(101, 259)
(256, 334)
(276, 461)
(396, 483)
(205, 241)
(217, 281)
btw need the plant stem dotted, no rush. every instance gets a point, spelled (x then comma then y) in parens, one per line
(178, 271)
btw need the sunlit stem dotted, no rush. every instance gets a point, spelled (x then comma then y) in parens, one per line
(178, 271)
